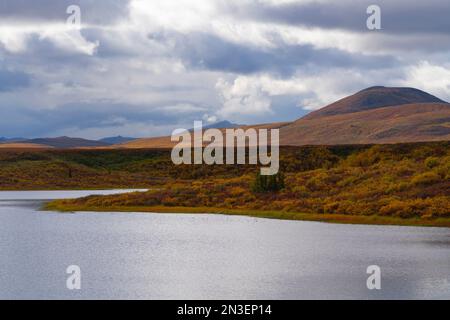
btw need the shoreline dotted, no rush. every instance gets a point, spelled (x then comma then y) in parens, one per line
(280, 215)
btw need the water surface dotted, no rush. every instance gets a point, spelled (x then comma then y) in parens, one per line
(180, 256)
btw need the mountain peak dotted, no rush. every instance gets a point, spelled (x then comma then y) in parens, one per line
(222, 125)
(116, 140)
(373, 98)
(373, 88)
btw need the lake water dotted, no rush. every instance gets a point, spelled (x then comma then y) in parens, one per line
(175, 256)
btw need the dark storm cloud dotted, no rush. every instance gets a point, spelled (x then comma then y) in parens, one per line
(92, 11)
(201, 50)
(399, 16)
(11, 80)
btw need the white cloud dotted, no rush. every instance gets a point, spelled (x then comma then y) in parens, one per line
(209, 119)
(181, 108)
(242, 97)
(432, 78)
(15, 38)
(247, 95)
(179, 15)
(70, 39)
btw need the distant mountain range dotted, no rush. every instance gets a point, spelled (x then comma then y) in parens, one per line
(67, 142)
(374, 115)
(64, 142)
(116, 140)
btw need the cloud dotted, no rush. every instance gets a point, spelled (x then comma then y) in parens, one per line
(111, 119)
(242, 97)
(32, 12)
(400, 16)
(209, 119)
(11, 80)
(434, 79)
(206, 51)
(66, 38)
(156, 65)
(21, 20)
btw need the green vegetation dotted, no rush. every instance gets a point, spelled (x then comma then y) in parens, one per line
(272, 183)
(385, 184)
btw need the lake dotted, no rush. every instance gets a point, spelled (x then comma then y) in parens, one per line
(184, 256)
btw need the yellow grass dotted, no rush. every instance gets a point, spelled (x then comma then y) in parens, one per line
(23, 146)
(331, 218)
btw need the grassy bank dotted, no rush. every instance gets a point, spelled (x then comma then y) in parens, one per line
(61, 206)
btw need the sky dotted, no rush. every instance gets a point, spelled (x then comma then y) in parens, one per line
(145, 67)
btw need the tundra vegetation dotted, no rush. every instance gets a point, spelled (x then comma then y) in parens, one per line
(392, 184)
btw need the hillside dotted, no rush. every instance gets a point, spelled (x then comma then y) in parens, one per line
(23, 145)
(372, 116)
(373, 98)
(404, 123)
(165, 142)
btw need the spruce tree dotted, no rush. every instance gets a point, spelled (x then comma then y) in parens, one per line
(271, 183)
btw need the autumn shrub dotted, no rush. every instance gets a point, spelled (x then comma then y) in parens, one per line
(437, 207)
(365, 158)
(431, 162)
(396, 187)
(300, 191)
(407, 180)
(425, 178)
(402, 209)
(318, 181)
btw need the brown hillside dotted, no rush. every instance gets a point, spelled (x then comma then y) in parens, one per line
(23, 145)
(373, 98)
(404, 123)
(164, 142)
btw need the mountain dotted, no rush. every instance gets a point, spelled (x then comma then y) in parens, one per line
(373, 98)
(394, 124)
(67, 142)
(225, 124)
(222, 125)
(371, 116)
(374, 115)
(116, 140)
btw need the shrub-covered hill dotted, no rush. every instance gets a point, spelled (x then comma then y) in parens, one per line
(402, 180)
